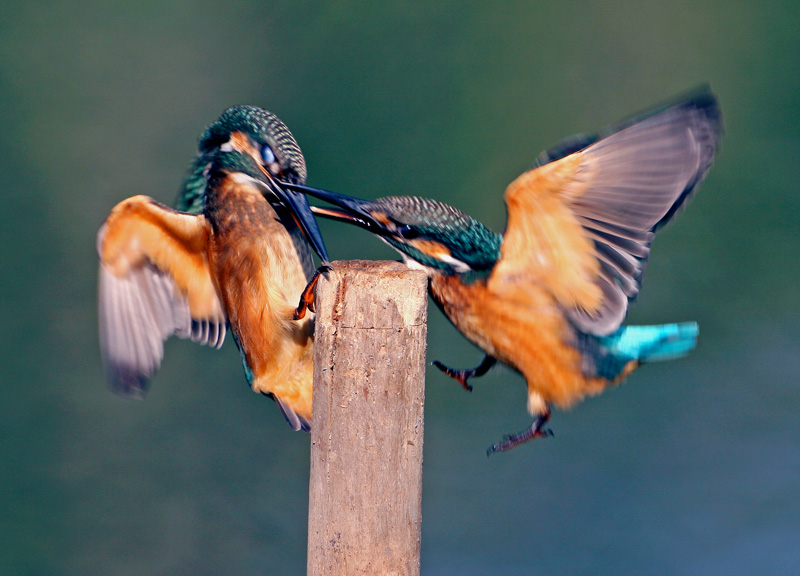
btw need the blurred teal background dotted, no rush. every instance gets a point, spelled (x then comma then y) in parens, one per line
(692, 467)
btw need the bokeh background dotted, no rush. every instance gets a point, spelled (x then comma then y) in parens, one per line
(692, 467)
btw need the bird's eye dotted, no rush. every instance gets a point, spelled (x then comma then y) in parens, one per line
(267, 155)
(407, 232)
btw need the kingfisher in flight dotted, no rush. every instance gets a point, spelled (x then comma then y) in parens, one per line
(548, 297)
(235, 254)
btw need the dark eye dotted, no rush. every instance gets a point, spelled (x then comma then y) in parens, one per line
(267, 155)
(407, 232)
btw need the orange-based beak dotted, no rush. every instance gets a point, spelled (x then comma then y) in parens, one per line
(352, 210)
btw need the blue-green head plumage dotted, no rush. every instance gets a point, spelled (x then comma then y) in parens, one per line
(437, 235)
(251, 141)
(264, 129)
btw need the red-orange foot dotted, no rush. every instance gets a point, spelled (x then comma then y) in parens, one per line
(307, 297)
(513, 440)
(463, 375)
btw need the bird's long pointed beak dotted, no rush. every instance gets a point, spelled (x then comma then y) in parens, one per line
(302, 214)
(353, 210)
(298, 204)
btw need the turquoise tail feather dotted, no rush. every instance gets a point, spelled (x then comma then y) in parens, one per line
(652, 343)
(610, 354)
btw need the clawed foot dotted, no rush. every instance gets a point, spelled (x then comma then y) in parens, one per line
(512, 440)
(463, 375)
(307, 297)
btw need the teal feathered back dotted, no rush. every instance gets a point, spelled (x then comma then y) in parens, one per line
(192, 195)
(607, 356)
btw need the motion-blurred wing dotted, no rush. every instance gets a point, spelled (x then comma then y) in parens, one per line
(296, 421)
(582, 225)
(154, 282)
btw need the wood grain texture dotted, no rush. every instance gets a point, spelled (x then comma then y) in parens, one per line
(365, 493)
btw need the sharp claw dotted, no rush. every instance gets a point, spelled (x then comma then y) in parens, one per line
(463, 376)
(307, 297)
(512, 440)
(460, 376)
(307, 300)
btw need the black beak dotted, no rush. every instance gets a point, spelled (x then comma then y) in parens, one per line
(354, 210)
(302, 214)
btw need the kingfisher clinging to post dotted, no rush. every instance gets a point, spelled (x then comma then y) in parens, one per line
(549, 295)
(236, 255)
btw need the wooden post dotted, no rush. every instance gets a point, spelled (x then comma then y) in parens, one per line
(365, 494)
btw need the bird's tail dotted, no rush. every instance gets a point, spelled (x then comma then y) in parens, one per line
(652, 343)
(642, 344)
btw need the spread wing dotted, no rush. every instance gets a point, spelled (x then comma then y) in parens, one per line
(581, 225)
(154, 282)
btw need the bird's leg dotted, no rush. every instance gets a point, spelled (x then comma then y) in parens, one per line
(307, 297)
(463, 375)
(534, 431)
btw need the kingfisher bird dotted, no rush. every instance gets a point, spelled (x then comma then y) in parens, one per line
(549, 295)
(235, 254)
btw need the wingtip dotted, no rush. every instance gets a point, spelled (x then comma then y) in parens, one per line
(295, 420)
(700, 98)
(126, 382)
(705, 101)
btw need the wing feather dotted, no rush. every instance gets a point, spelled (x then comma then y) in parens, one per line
(154, 282)
(595, 211)
(294, 419)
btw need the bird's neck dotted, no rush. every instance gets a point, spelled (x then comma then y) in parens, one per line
(242, 218)
(233, 200)
(479, 250)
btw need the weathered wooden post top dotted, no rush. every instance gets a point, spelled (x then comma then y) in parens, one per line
(365, 492)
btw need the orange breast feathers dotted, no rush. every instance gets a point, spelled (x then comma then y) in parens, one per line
(522, 326)
(260, 277)
(279, 350)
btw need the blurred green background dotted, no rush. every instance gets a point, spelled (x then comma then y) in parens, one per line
(692, 467)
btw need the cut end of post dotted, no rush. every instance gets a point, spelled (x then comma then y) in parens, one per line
(369, 393)
(379, 295)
